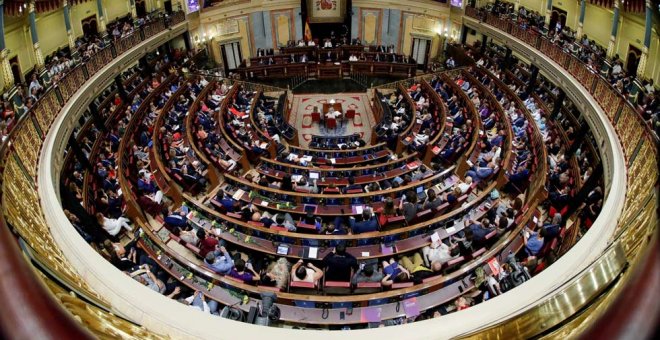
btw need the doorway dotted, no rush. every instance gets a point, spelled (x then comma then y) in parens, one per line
(168, 6)
(141, 8)
(420, 51)
(231, 55)
(558, 16)
(89, 26)
(632, 59)
(16, 70)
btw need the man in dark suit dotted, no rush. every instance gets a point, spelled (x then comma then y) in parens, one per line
(368, 223)
(339, 263)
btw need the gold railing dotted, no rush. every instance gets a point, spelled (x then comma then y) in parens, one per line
(22, 209)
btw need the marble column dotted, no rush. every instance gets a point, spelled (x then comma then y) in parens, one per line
(67, 24)
(102, 22)
(647, 39)
(615, 28)
(7, 75)
(131, 8)
(583, 10)
(32, 17)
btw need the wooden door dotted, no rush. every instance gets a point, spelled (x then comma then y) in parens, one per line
(632, 60)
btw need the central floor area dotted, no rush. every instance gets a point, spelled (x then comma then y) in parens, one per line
(305, 104)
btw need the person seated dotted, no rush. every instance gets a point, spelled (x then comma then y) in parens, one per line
(301, 272)
(409, 205)
(368, 224)
(303, 185)
(533, 241)
(327, 43)
(219, 261)
(311, 43)
(244, 272)
(177, 219)
(418, 272)
(394, 273)
(351, 185)
(367, 273)
(198, 300)
(353, 57)
(145, 275)
(209, 243)
(433, 201)
(422, 138)
(332, 229)
(111, 225)
(480, 231)
(437, 252)
(145, 184)
(479, 173)
(338, 264)
(283, 220)
(278, 274)
(388, 210)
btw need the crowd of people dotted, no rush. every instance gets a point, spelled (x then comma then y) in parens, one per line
(466, 104)
(594, 56)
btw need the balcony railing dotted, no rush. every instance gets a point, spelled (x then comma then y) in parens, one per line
(30, 311)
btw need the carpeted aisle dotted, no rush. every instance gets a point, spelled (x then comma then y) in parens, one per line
(303, 106)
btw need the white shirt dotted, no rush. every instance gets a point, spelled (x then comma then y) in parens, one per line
(206, 308)
(464, 187)
(328, 44)
(311, 43)
(333, 114)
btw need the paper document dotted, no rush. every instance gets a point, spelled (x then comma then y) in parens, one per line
(435, 237)
(238, 194)
(313, 252)
(451, 230)
(365, 254)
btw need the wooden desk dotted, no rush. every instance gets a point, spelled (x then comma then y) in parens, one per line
(336, 106)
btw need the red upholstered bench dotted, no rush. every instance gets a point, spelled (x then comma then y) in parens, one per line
(337, 287)
(367, 287)
(350, 114)
(235, 215)
(269, 288)
(478, 252)
(255, 224)
(402, 285)
(429, 279)
(303, 287)
(192, 248)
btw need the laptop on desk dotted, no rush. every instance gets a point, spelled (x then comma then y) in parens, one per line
(421, 193)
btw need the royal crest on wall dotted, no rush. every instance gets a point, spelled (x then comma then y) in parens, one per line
(326, 11)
